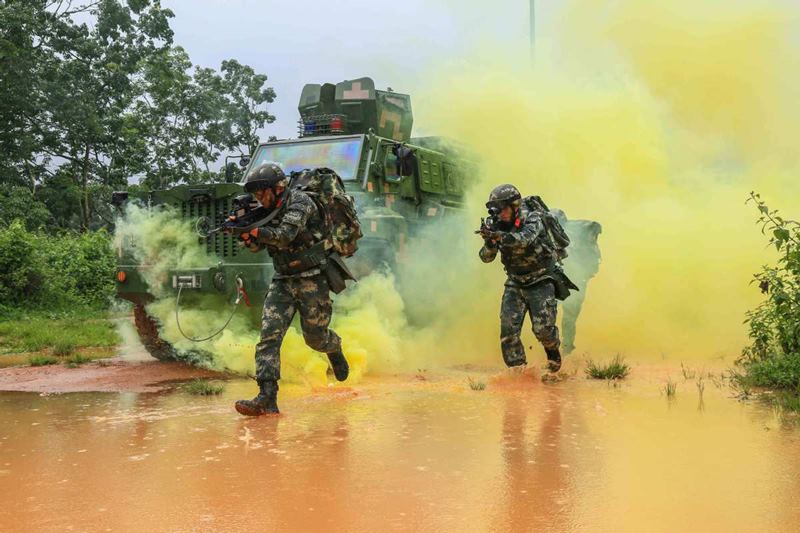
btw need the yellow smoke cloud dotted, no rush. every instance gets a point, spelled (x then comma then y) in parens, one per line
(369, 318)
(656, 119)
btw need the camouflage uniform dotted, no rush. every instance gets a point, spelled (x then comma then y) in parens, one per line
(581, 265)
(296, 241)
(529, 263)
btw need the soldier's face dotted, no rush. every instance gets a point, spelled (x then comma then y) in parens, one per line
(506, 214)
(265, 197)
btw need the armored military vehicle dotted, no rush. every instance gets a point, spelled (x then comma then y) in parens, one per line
(399, 183)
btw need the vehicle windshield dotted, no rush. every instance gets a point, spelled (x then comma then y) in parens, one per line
(341, 155)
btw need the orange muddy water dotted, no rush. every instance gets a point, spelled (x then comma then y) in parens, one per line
(403, 453)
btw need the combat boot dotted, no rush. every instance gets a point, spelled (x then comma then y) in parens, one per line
(553, 359)
(339, 364)
(266, 403)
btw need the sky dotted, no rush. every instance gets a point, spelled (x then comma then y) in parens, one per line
(318, 41)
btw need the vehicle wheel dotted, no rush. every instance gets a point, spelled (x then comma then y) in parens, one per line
(147, 327)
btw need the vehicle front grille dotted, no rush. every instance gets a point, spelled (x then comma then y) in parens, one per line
(215, 211)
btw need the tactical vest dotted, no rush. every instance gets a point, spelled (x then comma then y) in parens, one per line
(308, 250)
(538, 256)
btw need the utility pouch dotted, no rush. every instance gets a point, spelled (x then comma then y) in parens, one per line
(563, 285)
(336, 281)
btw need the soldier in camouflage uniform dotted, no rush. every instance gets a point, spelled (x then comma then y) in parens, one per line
(297, 239)
(581, 265)
(530, 264)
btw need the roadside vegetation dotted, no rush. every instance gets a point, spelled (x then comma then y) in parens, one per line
(38, 338)
(617, 368)
(772, 360)
(95, 93)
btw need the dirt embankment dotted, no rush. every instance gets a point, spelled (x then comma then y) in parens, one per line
(110, 375)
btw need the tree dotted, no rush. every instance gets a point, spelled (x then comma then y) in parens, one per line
(188, 118)
(19, 203)
(87, 105)
(90, 87)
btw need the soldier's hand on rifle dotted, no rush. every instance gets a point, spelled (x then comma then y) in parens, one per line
(246, 237)
(490, 237)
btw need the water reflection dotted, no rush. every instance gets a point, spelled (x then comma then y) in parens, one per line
(400, 455)
(537, 488)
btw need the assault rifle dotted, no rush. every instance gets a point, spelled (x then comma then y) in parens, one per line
(246, 214)
(489, 225)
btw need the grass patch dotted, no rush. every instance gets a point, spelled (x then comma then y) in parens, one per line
(76, 360)
(41, 360)
(670, 388)
(476, 385)
(62, 335)
(203, 387)
(616, 369)
(779, 374)
(788, 401)
(62, 348)
(688, 373)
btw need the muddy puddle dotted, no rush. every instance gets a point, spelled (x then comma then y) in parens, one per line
(403, 454)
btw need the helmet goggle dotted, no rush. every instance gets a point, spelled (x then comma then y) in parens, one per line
(500, 204)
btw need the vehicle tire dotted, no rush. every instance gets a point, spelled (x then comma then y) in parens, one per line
(147, 327)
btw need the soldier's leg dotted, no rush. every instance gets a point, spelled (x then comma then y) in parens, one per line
(316, 307)
(512, 315)
(277, 315)
(279, 310)
(314, 302)
(542, 305)
(570, 309)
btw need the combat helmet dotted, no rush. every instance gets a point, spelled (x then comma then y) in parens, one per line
(264, 176)
(503, 195)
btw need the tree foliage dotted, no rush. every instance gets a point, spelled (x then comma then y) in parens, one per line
(95, 93)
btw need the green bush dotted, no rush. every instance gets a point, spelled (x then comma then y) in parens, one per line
(772, 360)
(22, 267)
(55, 271)
(780, 372)
(82, 267)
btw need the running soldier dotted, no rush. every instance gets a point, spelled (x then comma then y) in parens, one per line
(534, 280)
(297, 240)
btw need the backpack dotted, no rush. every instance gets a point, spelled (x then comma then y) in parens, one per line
(555, 234)
(337, 208)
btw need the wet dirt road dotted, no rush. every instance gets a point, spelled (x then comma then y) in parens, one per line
(401, 454)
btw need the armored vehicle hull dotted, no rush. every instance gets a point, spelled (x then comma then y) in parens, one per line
(399, 186)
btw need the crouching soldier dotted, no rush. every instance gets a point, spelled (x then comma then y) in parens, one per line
(534, 280)
(296, 238)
